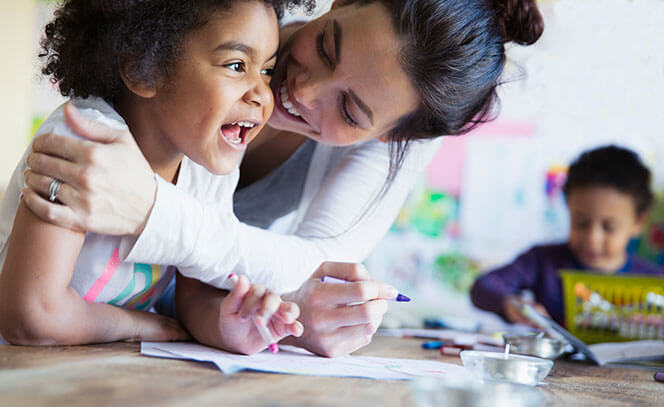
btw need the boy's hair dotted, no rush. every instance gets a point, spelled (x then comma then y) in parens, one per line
(614, 167)
(87, 40)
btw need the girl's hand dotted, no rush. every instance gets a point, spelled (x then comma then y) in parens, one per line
(98, 194)
(333, 327)
(513, 305)
(248, 305)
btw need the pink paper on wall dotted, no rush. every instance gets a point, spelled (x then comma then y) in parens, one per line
(445, 172)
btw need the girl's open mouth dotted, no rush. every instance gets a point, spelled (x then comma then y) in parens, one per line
(235, 134)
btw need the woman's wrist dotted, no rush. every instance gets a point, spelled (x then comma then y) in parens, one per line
(147, 208)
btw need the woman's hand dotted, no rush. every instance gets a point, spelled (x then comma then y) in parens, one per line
(108, 186)
(331, 326)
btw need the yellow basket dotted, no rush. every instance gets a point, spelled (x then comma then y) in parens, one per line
(613, 308)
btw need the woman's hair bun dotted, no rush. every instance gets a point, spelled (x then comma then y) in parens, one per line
(519, 20)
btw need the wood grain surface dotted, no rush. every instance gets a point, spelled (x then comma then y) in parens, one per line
(116, 374)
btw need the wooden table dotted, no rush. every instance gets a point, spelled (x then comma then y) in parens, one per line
(116, 374)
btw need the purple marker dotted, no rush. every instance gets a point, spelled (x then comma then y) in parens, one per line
(327, 279)
(659, 377)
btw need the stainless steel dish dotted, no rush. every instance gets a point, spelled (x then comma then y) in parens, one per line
(536, 345)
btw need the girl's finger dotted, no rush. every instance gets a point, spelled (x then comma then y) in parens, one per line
(280, 330)
(252, 301)
(235, 299)
(287, 312)
(267, 308)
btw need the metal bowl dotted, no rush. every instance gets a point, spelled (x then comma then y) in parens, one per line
(534, 345)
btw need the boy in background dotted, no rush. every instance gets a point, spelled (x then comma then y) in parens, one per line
(608, 195)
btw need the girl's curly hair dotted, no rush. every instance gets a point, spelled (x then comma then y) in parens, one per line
(88, 39)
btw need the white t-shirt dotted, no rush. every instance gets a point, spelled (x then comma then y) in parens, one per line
(100, 275)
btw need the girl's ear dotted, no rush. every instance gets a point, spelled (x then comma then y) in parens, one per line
(138, 87)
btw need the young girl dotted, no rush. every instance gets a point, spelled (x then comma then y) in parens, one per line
(187, 78)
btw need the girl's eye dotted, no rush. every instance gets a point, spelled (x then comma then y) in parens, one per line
(320, 40)
(235, 66)
(268, 71)
(344, 111)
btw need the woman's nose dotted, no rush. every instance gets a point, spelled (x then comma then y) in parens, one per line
(307, 90)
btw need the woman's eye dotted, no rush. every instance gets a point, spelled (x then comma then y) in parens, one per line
(320, 40)
(344, 112)
(235, 66)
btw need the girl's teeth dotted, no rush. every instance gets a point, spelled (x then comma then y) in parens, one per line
(285, 101)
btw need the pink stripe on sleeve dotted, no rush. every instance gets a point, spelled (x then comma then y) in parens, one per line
(105, 277)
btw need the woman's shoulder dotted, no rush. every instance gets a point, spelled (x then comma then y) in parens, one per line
(417, 156)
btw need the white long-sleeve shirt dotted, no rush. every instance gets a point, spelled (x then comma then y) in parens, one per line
(339, 218)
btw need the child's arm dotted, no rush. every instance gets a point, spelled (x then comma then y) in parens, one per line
(226, 320)
(497, 290)
(40, 308)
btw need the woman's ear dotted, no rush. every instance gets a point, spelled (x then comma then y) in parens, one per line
(341, 3)
(137, 86)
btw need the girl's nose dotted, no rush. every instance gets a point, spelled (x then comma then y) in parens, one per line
(259, 93)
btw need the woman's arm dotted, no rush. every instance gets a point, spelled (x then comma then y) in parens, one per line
(39, 307)
(343, 221)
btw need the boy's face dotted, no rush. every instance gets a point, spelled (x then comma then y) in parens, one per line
(217, 97)
(602, 221)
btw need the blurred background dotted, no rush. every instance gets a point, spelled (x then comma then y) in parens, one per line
(595, 77)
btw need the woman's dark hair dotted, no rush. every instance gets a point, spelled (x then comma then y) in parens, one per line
(613, 167)
(454, 53)
(87, 40)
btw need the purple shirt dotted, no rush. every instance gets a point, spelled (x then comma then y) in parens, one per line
(537, 270)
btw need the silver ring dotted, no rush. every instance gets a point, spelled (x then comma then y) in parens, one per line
(53, 189)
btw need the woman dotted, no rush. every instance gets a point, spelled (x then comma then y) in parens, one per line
(348, 78)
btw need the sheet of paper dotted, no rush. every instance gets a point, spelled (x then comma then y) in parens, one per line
(292, 360)
(458, 337)
(627, 351)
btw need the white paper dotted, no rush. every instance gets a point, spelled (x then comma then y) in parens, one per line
(612, 352)
(292, 360)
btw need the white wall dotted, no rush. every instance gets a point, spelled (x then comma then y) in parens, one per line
(16, 74)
